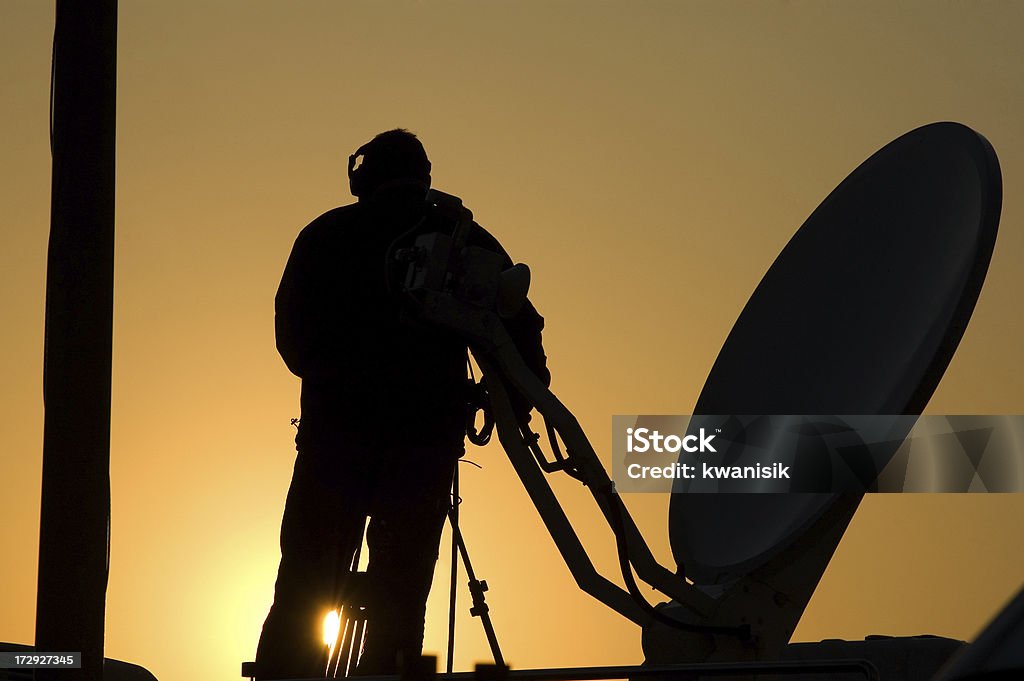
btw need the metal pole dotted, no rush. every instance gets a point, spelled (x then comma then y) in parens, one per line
(75, 509)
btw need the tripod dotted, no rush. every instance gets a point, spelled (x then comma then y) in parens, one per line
(476, 587)
(353, 617)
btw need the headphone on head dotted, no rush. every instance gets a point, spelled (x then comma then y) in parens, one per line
(358, 178)
(365, 179)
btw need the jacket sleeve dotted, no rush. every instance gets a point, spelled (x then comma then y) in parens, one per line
(298, 314)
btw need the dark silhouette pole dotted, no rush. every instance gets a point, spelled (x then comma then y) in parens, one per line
(74, 520)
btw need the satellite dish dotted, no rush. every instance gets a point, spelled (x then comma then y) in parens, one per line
(860, 314)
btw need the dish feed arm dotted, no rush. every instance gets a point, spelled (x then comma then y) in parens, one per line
(504, 369)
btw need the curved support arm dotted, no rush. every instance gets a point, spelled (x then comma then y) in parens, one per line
(500, 360)
(561, 530)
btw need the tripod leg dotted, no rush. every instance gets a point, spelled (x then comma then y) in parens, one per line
(452, 590)
(476, 590)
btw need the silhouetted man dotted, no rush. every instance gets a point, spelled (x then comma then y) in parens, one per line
(383, 416)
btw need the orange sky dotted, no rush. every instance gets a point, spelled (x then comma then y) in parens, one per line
(647, 159)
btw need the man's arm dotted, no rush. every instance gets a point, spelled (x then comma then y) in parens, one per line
(289, 316)
(300, 322)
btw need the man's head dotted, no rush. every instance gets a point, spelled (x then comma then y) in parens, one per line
(393, 158)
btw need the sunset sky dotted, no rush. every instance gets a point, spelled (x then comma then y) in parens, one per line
(647, 159)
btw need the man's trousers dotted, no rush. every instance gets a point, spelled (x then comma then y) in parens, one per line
(336, 486)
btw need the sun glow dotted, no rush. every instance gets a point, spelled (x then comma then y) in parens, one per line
(332, 624)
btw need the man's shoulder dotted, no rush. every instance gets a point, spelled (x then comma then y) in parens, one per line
(331, 222)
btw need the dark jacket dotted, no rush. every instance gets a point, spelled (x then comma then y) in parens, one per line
(367, 372)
